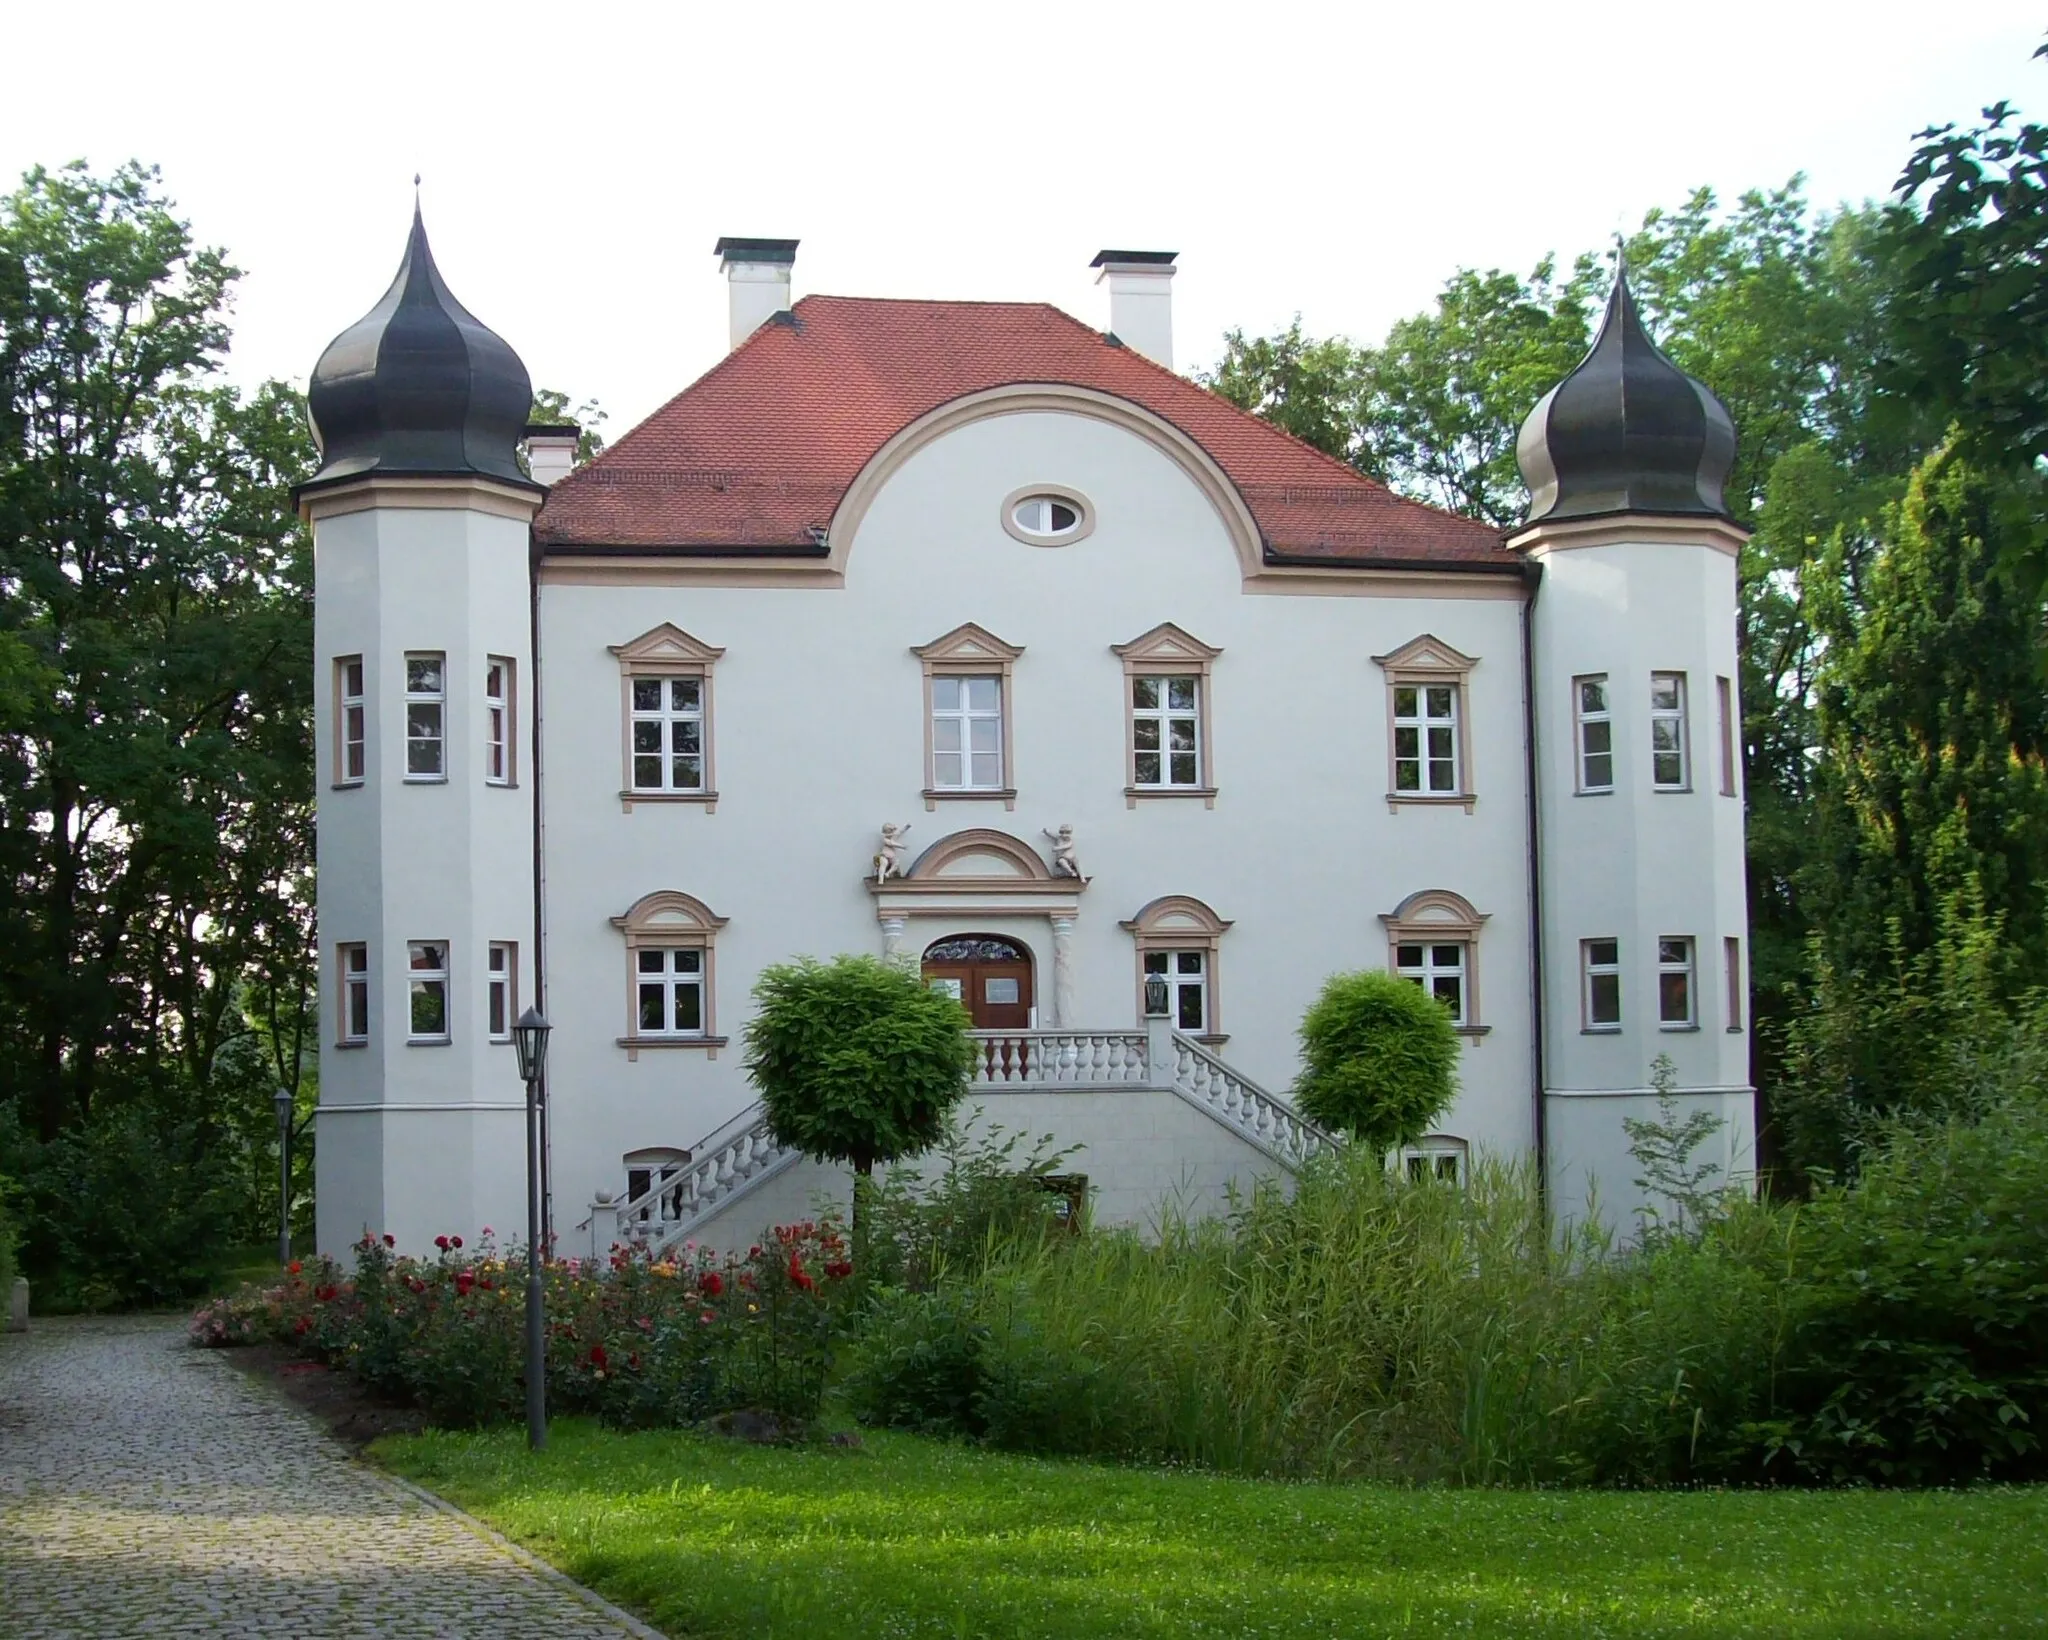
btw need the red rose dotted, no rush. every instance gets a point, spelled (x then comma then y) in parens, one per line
(713, 1283)
(463, 1282)
(597, 1357)
(293, 1268)
(441, 1242)
(390, 1240)
(454, 1241)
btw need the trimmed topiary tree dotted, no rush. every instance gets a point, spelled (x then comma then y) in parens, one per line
(1379, 1059)
(858, 1061)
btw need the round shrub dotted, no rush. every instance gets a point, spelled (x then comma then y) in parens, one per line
(1379, 1059)
(857, 1060)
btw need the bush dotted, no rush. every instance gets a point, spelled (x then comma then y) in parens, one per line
(973, 1196)
(1379, 1059)
(636, 1342)
(132, 1211)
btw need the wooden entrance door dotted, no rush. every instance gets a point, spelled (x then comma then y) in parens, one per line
(991, 977)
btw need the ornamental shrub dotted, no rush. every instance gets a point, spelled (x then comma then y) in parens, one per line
(1379, 1059)
(636, 1342)
(857, 1060)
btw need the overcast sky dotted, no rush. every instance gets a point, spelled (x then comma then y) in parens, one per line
(1339, 160)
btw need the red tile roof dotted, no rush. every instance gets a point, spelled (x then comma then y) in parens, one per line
(754, 456)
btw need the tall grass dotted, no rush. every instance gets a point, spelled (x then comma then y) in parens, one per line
(1367, 1325)
(1893, 1330)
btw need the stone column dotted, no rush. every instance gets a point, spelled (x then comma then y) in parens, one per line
(1064, 1009)
(892, 936)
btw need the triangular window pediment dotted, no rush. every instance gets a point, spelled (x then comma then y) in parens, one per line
(968, 642)
(1427, 653)
(666, 645)
(1166, 645)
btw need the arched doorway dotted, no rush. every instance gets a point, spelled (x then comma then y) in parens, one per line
(990, 975)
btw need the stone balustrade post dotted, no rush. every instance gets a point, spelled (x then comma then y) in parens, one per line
(604, 1226)
(1159, 1055)
(17, 1306)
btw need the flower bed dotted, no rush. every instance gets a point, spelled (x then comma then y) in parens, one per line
(636, 1341)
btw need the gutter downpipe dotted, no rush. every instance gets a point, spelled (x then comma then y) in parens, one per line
(540, 883)
(1533, 575)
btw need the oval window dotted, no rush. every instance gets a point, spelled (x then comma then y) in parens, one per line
(1046, 515)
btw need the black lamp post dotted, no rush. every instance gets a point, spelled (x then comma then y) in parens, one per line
(283, 1100)
(530, 1041)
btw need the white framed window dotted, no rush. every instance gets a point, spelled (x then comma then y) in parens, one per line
(426, 711)
(967, 695)
(1439, 968)
(1724, 690)
(351, 759)
(1177, 988)
(1166, 732)
(1669, 760)
(502, 1006)
(1046, 515)
(1437, 1158)
(967, 733)
(498, 720)
(353, 961)
(426, 973)
(1041, 516)
(1600, 984)
(668, 734)
(669, 992)
(1426, 740)
(1167, 744)
(1675, 999)
(1731, 962)
(1594, 712)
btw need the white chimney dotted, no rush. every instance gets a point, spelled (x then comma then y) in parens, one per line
(756, 279)
(551, 452)
(1140, 300)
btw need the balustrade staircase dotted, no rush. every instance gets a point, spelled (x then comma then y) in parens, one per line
(742, 1156)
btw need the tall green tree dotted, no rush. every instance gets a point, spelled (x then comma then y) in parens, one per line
(1933, 776)
(155, 660)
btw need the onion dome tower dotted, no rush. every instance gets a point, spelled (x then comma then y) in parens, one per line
(1640, 857)
(1626, 432)
(422, 631)
(419, 385)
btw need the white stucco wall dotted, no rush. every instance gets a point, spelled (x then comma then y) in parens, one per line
(419, 1140)
(819, 738)
(1636, 863)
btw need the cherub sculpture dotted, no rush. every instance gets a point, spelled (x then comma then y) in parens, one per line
(1064, 861)
(889, 857)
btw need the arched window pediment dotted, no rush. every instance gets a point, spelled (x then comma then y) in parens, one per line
(978, 854)
(1434, 911)
(1176, 916)
(668, 911)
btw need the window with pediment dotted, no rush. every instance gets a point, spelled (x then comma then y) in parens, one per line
(1178, 941)
(671, 973)
(1429, 735)
(1169, 750)
(1433, 939)
(968, 744)
(665, 678)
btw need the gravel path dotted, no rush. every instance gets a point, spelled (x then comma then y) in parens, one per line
(151, 1489)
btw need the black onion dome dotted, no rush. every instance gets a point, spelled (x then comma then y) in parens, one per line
(1626, 432)
(419, 385)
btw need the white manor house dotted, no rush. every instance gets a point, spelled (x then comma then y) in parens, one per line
(967, 632)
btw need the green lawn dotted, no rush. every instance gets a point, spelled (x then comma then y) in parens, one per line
(912, 1538)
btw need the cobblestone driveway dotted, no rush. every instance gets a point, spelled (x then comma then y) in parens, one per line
(151, 1489)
